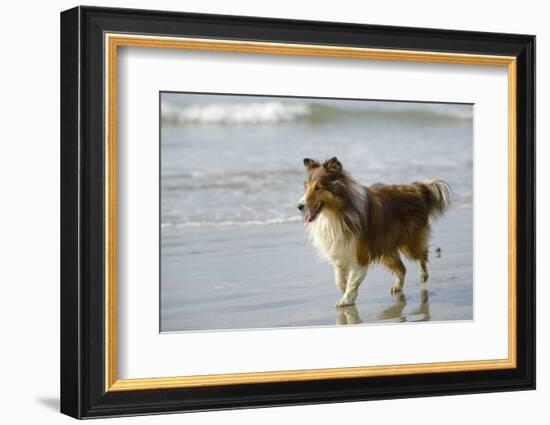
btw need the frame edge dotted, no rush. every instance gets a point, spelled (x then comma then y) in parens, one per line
(70, 347)
(526, 202)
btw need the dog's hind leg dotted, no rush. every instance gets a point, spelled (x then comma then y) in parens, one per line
(356, 276)
(397, 268)
(341, 277)
(424, 271)
(419, 254)
(417, 249)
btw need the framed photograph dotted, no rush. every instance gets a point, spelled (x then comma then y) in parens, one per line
(261, 212)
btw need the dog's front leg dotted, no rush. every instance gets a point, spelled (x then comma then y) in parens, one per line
(356, 276)
(341, 276)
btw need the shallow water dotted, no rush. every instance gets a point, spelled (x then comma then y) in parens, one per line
(233, 252)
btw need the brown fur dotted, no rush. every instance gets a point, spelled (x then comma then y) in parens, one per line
(385, 220)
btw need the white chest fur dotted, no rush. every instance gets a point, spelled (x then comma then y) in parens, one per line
(331, 238)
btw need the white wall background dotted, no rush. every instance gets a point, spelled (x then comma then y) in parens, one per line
(29, 209)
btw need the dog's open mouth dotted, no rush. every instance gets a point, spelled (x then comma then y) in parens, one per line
(311, 213)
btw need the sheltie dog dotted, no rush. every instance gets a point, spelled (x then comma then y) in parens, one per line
(354, 226)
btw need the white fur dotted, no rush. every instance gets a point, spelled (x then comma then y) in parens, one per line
(359, 200)
(442, 193)
(336, 244)
(333, 240)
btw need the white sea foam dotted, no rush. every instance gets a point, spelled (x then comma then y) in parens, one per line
(238, 113)
(182, 224)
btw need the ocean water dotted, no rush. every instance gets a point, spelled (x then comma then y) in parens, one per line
(237, 160)
(233, 251)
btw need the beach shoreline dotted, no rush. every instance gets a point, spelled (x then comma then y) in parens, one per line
(269, 276)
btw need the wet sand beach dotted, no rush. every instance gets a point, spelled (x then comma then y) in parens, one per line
(264, 276)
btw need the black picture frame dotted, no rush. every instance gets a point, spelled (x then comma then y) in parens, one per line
(83, 392)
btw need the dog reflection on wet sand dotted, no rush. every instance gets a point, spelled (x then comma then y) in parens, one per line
(349, 315)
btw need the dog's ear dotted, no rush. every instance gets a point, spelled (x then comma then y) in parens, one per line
(310, 164)
(332, 165)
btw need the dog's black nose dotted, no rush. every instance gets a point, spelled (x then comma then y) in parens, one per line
(301, 207)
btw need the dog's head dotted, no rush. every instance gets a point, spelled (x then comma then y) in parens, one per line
(323, 187)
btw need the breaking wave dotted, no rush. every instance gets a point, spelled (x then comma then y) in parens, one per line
(248, 113)
(277, 112)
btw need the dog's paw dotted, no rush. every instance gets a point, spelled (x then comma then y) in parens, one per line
(396, 288)
(345, 301)
(424, 277)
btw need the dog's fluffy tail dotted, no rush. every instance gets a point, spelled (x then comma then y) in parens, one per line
(439, 196)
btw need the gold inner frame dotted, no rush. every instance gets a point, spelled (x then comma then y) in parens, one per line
(113, 41)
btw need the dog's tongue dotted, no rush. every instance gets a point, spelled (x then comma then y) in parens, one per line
(307, 216)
